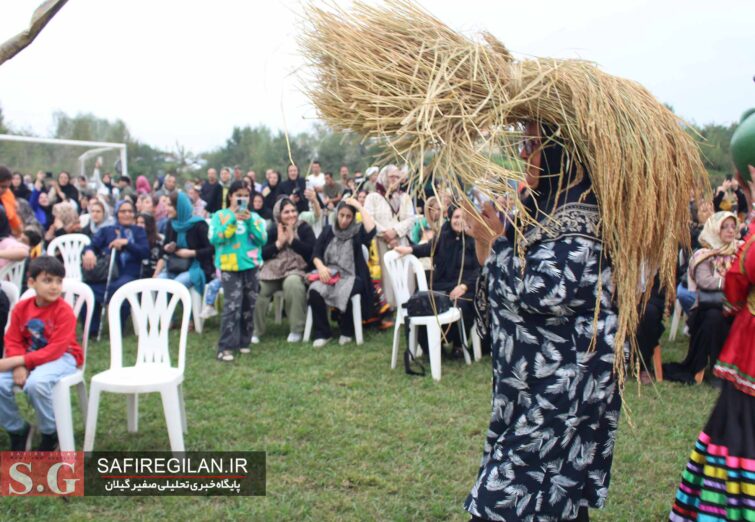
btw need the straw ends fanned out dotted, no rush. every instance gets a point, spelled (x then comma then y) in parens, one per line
(395, 74)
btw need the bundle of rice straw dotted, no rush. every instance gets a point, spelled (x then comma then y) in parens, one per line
(397, 74)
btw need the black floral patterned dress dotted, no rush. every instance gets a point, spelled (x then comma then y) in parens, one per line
(555, 403)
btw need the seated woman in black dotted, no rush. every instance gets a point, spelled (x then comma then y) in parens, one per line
(338, 254)
(455, 268)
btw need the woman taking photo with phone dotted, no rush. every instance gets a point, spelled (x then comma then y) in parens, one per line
(238, 236)
(187, 254)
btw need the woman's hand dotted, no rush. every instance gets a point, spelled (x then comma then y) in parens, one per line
(282, 236)
(354, 202)
(170, 247)
(89, 260)
(324, 274)
(483, 226)
(242, 215)
(389, 235)
(458, 292)
(402, 250)
(118, 243)
(186, 253)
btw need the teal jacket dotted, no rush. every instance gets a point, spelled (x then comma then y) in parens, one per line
(238, 245)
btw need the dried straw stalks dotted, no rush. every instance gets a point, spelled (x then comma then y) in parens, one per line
(395, 73)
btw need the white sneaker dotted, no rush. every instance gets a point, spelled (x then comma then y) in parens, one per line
(294, 337)
(208, 311)
(245, 350)
(255, 339)
(344, 340)
(319, 343)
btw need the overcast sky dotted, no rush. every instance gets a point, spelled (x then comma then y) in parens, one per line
(187, 72)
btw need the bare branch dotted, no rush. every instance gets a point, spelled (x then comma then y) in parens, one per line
(43, 14)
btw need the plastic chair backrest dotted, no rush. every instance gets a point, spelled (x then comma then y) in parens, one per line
(14, 272)
(12, 293)
(70, 247)
(76, 294)
(398, 273)
(153, 302)
(419, 273)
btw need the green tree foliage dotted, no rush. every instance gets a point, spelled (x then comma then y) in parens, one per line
(259, 149)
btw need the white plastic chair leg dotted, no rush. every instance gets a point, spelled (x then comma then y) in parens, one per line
(196, 310)
(81, 388)
(394, 352)
(413, 339)
(132, 413)
(92, 411)
(172, 410)
(476, 344)
(183, 408)
(61, 405)
(356, 312)
(675, 320)
(433, 345)
(308, 325)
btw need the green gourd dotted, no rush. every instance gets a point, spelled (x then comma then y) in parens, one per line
(743, 144)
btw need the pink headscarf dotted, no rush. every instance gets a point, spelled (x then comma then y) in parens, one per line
(142, 185)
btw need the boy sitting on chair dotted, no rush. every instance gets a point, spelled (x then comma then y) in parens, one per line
(40, 349)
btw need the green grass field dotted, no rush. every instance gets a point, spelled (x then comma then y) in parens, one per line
(347, 438)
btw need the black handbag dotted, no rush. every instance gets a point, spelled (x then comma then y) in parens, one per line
(710, 297)
(98, 274)
(178, 265)
(427, 302)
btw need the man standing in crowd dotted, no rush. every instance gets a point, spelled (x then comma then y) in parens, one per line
(225, 182)
(343, 172)
(316, 180)
(331, 191)
(237, 174)
(211, 192)
(251, 175)
(169, 186)
(124, 188)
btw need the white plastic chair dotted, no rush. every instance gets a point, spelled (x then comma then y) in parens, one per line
(153, 303)
(70, 247)
(675, 320)
(14, 272)
(401, 271)
(356, 312)
(77, 294)
(12, 293)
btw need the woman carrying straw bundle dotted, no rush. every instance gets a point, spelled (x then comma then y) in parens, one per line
(609, 170)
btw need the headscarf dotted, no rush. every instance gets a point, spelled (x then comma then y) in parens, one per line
(142, 185)
(107, 219)
(125, 231)
(713, 246)
(352, 229)
(382, 187)
(71, 192)
(286, 262)
(554, 192)
(181, 224)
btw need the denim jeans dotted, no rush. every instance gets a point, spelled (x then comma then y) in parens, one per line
(686, 298)
(38, 389)
(184, 278)
(213, 289)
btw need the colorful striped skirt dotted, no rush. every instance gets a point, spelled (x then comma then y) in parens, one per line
(719, 481)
